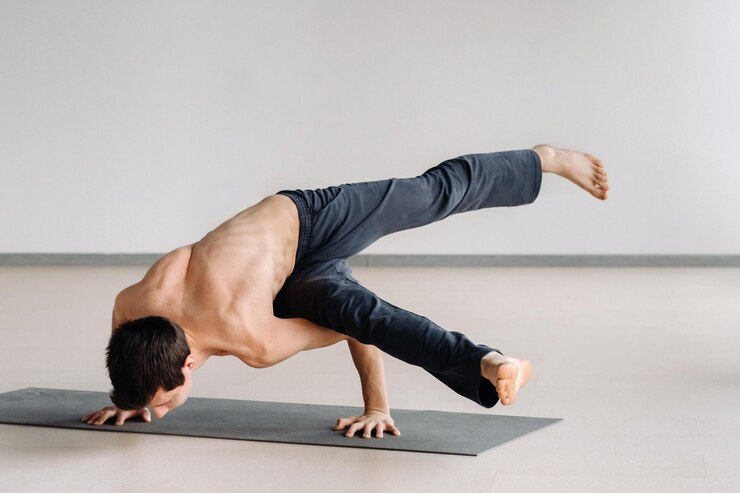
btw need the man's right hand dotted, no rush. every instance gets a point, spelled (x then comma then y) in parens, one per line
(100, 417)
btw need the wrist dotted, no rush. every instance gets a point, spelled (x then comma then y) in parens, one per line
(384, 410)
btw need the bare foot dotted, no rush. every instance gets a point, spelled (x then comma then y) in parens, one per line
(581, 168)
(507, 374)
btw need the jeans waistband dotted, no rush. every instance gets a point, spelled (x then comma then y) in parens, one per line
(304, 221)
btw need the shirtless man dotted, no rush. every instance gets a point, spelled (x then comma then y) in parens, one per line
(273, 281)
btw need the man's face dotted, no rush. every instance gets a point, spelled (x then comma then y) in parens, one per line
(165, 401)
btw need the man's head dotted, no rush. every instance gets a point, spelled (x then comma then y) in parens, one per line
(146, 358)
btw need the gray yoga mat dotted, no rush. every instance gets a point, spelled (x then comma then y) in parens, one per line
(421, 431)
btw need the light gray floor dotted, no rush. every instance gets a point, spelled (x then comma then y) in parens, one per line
(641, 362)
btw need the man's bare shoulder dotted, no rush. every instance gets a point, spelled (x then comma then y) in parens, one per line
(176, 260)
(169, 270)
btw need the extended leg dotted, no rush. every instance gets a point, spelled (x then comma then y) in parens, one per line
(347, 218)
(329, 296)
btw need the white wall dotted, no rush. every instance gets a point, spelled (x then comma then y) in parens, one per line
(139, 126)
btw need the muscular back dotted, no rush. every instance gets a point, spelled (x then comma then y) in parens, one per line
(220, 289)
(249, 255)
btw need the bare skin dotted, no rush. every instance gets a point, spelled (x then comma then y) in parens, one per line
(509, 374)
(220, 291)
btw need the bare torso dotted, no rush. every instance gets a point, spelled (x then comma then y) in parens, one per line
(220, 289)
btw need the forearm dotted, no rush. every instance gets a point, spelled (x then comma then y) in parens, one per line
(369, 363)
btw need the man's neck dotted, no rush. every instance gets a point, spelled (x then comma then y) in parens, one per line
(198, 351)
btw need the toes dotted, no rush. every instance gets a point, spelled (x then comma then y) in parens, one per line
(501, 389)
(600, 175)
(600, 191)
(600, 179)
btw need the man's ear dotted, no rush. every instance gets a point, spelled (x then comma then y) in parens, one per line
(189, 361)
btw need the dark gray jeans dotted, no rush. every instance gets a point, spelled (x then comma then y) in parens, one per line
(340, 221)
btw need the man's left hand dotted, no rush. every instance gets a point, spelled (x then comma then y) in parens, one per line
(371, 420)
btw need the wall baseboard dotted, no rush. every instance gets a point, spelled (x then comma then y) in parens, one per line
(389, 260)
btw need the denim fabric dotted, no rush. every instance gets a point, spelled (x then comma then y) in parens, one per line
(340, 221)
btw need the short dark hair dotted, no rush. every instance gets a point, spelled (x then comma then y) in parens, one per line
(142, 356)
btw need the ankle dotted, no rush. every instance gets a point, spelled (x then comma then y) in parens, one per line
(547, 157)
(488, 361)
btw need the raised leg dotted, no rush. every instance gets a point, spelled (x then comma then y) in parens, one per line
(346, 219)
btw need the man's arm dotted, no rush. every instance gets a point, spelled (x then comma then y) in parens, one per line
(285, 337)
(118, 304)
(369, 363)
(288, 336)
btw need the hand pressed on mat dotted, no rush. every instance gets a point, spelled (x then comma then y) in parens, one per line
(371, 420)
(100, 417)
